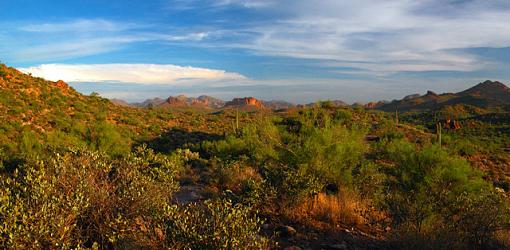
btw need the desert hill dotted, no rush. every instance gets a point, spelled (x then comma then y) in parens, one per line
(35, 110)
(486, 95)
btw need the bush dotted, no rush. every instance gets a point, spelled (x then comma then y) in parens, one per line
(106, 138)
(215, 225)
(430, 194)
(473, 218)
(78, 198)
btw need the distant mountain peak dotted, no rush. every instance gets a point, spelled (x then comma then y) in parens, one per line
(431, 93)
(492, 85)
(489, 89)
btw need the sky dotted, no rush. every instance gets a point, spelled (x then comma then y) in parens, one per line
(295, 50)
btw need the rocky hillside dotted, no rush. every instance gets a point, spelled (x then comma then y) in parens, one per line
(485, 95)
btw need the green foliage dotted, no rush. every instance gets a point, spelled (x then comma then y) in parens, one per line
(473, 218)
(297, 156)
(105, 137)
(29, 144)
(77, 198)
(427, 191)
(215, 225)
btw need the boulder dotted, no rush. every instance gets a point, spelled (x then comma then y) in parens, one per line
(286, 231)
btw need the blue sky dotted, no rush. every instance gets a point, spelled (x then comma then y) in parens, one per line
(298, 50)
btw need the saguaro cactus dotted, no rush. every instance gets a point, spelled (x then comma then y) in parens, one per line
(235, 125)
(438, 133)
(396, 116)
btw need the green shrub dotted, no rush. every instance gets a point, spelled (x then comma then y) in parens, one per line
(79, 198)
(105, 137)
(214, 225)
(427, 192)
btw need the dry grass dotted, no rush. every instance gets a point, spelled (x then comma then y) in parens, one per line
(337, 209)
(232, 178)
(503, 237)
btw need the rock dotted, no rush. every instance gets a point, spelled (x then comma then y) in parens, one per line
(286, 231)
(292, 248)
(244, 102)
(341, 246)
(265, 226)
(61, 84)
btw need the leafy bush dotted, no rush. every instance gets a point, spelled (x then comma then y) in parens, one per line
(106, 138)
(215, 225)
(80, 198)
(429, 192)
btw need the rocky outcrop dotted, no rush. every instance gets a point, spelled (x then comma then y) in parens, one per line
(61, 84)
(177, 101)
(246, 102)
(207, 101)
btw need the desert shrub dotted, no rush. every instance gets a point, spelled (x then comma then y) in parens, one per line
(415, 175)
(474, 218)
(58, 138)
(330, 153)
(257, 193)
(29, 144)
(368, 179)
(297, 156)
(105, 137)
(428, 191)
(263, 140)
(78, 198)
(342, 116)
(214, 225)
(291, 185)
(231, 148)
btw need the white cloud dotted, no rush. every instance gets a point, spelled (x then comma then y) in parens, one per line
(132, 73)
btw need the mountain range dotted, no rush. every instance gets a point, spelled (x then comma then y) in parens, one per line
(205, 101)
(486, 95)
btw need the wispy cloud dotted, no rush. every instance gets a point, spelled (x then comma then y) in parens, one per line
(382, 36)
(80, 25)
(85, 37)
(133, 73)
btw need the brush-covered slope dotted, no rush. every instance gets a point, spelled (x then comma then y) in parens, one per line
(34, 110)
(486, 95)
